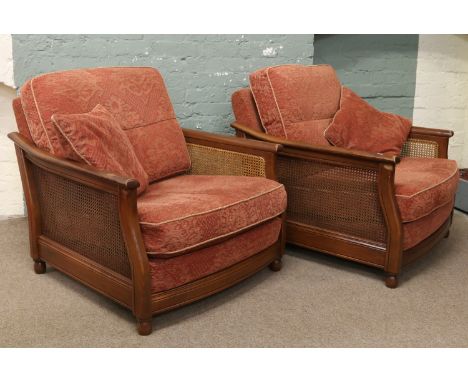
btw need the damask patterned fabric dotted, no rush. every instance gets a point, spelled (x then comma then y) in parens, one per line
(422, 185)
(97, 138)
(416, 231)
(136, 97)
(245, 111)
(358, 125)
(170, 273)
(21, 119)
(296, 102)
(187, 212)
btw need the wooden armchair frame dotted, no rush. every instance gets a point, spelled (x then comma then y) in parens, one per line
(113, 261)
(382, 245)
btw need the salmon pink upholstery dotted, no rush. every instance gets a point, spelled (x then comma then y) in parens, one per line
(245, 111)
(422, 185)
(416, 231)
(136, 97)
(184, 213)
(97, 138)
(296, 102)
(170, 273)
(21, 119)
(358, 125)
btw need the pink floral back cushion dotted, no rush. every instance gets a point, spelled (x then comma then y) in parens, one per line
(137, 98)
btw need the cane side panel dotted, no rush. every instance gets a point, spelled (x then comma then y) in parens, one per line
(420, 148)
(84, 219)
(208, 160)
(337, 198)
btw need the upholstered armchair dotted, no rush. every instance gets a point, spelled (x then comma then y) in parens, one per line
(211, 214)
(378, 209)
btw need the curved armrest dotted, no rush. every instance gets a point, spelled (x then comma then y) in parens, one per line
(438, 138)
(70, 169)
(265, 150)
(270, 147)
(326, 150)
(416, 130)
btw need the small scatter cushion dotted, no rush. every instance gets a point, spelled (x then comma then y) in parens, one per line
(358, 125)
(97, 138)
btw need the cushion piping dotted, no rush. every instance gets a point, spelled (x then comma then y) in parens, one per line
(195, 246)
(427, 214)
(212, 210)
(276, 102)
(267, 70)
(428, 188)
(27, 124)
(333, 119)
(40, 115)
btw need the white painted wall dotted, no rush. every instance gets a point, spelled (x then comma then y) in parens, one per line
(441, 98)
(11, 194)
(6, 60)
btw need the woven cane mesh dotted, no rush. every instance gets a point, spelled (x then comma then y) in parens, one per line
(336, 198)
(420, 148)
(208, 160)
(83, 219)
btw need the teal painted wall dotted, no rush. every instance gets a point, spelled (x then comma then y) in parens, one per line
(380, 68)
(200, 71)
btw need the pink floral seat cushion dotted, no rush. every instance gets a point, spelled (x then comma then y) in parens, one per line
(423, 185)
(168, 273)
(188, 212)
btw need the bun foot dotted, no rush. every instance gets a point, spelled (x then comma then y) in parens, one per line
(144, 327)
(447, 234)
(391, 281)
(276, 265)
(39, 267)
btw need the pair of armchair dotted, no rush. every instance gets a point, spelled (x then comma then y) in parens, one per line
(381, 210)
(211, 215)
(207, 211)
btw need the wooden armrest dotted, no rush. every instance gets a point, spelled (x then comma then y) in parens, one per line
(235, 143)
(416, 130)
(326, 150)
(79, 172)
(438, 138)
(265, 150)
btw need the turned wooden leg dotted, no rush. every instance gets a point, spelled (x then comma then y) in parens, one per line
(144, 327)
(39, 266)
(447, 234)
(276, 265)
(391, 281)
